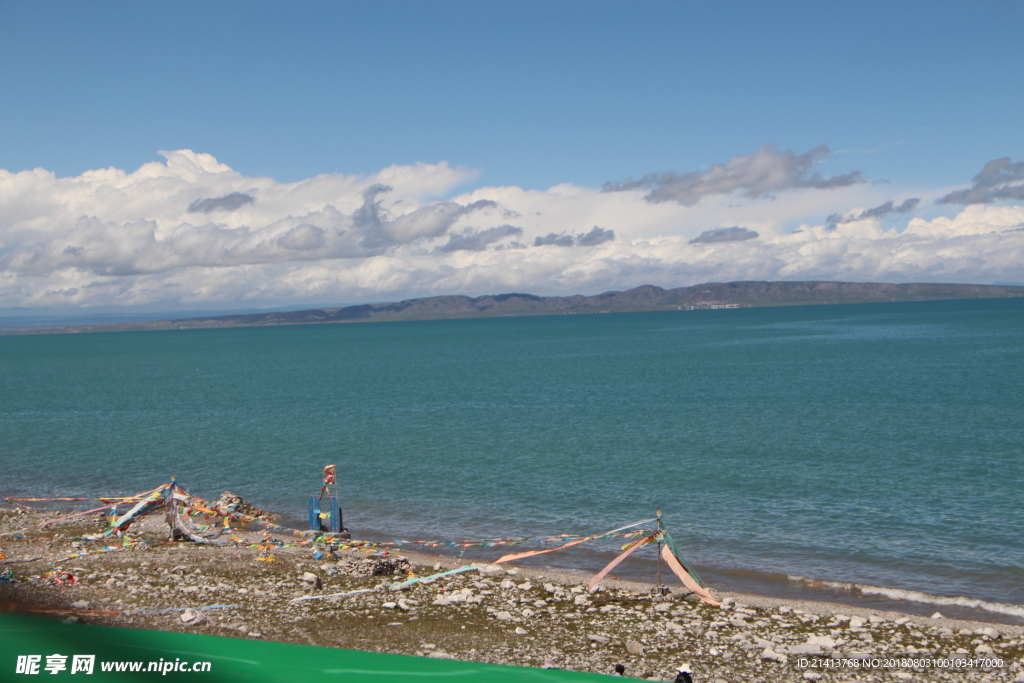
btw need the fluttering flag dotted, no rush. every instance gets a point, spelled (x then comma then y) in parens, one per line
(614, 563)
(517, 556)
(687, 579)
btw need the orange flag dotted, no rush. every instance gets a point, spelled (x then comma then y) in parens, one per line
(614, 563)
(686, 578)
(531, 553)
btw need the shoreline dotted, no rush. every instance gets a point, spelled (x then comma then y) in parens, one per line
(819, 607)
(807, 590)
(494, 613)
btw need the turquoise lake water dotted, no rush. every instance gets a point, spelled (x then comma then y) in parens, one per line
(876, 444)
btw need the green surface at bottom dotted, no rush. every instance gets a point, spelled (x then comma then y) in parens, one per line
(230, 659)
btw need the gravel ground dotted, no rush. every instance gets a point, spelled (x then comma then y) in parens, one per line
(492, 613)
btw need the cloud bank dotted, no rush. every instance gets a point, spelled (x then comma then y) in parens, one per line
(230, 202)
(733, 234)
(759, 174)
(881, 211)
(190, 232)
(596, 236)
(996, 182)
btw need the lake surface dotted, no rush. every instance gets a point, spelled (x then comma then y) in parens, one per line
(875, 444)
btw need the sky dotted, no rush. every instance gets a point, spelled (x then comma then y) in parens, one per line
(255, 155)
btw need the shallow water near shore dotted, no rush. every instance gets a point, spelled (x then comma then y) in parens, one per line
(876, 444)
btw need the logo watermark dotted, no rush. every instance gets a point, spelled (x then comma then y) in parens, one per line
(86, 664)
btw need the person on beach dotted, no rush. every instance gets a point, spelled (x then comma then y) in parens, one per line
(683, 675)
(619, 670)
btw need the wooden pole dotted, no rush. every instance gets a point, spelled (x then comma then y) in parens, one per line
(659, 553)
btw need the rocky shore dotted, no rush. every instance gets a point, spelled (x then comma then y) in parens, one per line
(490, 613)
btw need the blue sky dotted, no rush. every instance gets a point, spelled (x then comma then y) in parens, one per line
(519, 95)
(530, 93)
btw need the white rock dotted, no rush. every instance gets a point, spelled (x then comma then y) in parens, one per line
(581, 600)
(812, 676)
(856, 622)
(983, 650)
(990, 632)
(594, 638)
(663, 607)
(390, 605)
(771, 655)
(491, 569)
(805, 649)
(634, 648)
(520, 631)
(308, 576)
(937, 615)
(903, 675)
(525, 586)
(824, 642)
(503, 616)
(550, 588)
(80, 604)
(189, 616)
(506, 585)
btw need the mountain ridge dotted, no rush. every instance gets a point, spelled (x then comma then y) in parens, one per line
(739, 294)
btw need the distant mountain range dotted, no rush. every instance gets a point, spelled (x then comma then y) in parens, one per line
(643, 298)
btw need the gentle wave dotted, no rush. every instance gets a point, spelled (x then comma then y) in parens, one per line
(914, 596)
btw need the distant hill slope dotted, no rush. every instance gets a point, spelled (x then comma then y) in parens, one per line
(643, 298)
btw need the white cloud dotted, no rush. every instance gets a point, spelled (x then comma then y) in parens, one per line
(193, 232)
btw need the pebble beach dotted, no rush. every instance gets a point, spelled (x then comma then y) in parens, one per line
(261, 588)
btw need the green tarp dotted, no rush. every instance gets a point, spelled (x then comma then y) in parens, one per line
(34, 641)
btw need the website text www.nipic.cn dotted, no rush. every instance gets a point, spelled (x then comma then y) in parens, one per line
(86, 664)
